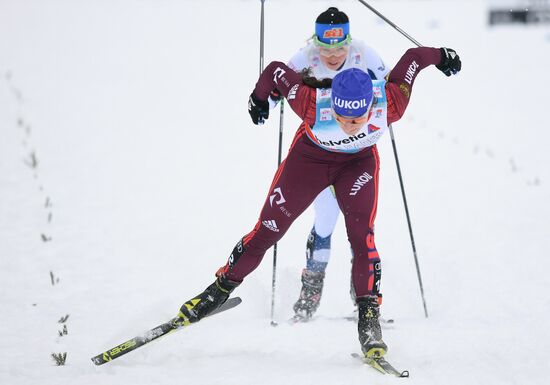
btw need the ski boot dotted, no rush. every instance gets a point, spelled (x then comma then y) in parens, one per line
(370, 333)
(310, 295)
(205, 303)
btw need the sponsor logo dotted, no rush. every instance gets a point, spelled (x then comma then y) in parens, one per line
(350, 139)
(325, 92)
(350, 104)
(292, 92)
(122, 347)
(377, 91)
(278, 73)
(326, 114)
(357, 59)
(378, 112)
(285, 211)
(277, 193)
(405, 90)
(315, 61)
(372, 128)
(152, 334)
(382, 67)
(360, 182)
(377, 275)
(409, 76)
(238, 250)
(271, 225)
(333, 33)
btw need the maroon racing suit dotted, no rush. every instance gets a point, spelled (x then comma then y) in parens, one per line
(308, 169)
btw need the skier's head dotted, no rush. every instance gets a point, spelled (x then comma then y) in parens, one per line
(352, 97)
(332, 37)
(332, 27)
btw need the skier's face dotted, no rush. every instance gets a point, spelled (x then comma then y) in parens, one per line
(333, 58)
(352, 125)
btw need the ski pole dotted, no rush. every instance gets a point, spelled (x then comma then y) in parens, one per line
(408, 222)
(390, 23)
(273, 278)
(274, 275)
(262, 37)
(399, 168)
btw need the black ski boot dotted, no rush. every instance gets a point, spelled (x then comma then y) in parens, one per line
(203, 304)
(370, 334)
(310, 295)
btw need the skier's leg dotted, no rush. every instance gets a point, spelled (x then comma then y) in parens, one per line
(295, 184)
(317, 254)
(326, 215)
(357, 193)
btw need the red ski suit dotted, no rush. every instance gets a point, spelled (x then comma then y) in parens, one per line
(309, 169)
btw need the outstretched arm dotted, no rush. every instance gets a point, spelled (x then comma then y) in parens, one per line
(402, 76)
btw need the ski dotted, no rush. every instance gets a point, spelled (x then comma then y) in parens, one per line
(381, 365)
(385, 323)
(153, 334)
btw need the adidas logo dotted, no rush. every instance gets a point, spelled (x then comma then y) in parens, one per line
(271, 225)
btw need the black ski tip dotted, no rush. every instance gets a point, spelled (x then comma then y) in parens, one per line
(98, 360)
(230, 303)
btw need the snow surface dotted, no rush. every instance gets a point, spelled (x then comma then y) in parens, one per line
(129, 168)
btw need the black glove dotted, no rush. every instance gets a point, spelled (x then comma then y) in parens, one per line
(450, 63)
(258, 109)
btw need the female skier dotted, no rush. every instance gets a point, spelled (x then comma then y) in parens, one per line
(329, 51)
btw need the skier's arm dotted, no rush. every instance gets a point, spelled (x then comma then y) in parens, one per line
(278, 76)
(296, 63)
(299, 61)
(402, 77)
(375, 64)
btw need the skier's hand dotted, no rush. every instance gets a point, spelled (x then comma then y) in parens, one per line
(258, 109)
(450, 63)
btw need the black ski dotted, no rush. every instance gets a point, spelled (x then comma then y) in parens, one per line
(153, 334)
(381, 365)
(385, 323)
(382, 320)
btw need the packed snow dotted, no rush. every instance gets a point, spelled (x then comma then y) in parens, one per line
(129, 168)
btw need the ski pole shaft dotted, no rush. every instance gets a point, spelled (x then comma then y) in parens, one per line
(413, 244)
(390, 23)
(399, 167)
(274, 275)
(262, 37)
(281, 115)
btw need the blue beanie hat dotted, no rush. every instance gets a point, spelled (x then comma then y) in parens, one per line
(332, 26)
(351, 92)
